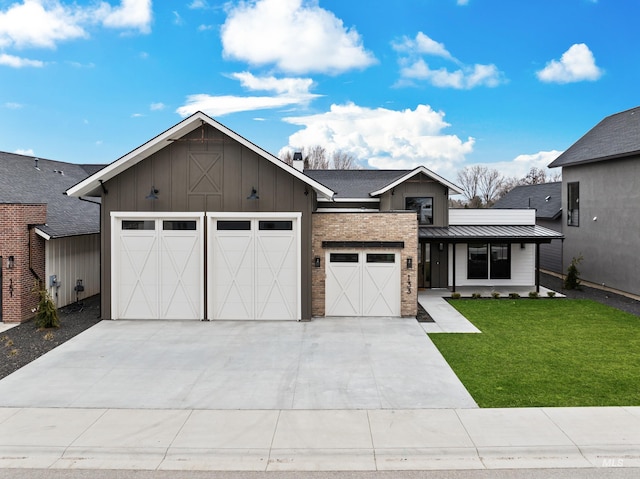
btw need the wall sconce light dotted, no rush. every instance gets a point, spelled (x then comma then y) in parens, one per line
(441, 246)
(523, 246)
(409, 262)
(153, 194)
(253, 195)
(11, 262)
(595, 218)
(316, 261)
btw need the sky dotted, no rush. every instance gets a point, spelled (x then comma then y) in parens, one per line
(447, 84)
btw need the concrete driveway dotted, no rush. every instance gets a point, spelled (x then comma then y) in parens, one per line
(339, 363)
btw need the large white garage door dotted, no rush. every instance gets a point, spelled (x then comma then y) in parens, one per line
(254, 267)
(157, 268)
(362, 283)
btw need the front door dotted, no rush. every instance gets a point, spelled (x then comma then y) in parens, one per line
(439, 265)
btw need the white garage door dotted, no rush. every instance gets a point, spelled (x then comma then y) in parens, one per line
(157, 266)
(254, 267)
(362, 283)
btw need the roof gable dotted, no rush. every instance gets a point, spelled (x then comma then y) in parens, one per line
(91, 186)
(22, 182)
(617, 136)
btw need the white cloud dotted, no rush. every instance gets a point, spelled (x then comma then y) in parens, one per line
(463, 2)
(384, 138)
(45, 23)
(204, 28)
(157, 106)
(462, 76)
(284, 92)
(295, 35)
(521, 164)
(12, 105)
(130, 14)
(25, 152)
(576, 64)
(17, 62)
(198, 4)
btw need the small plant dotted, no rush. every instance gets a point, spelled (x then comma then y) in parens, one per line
(514, 296)
(13, 352)
(551, 294)
(8, 343)
(572, 281)
(48, 336)
(476, 296)
(495, 295)
(533, 295)
(455, 295)
(46, 312)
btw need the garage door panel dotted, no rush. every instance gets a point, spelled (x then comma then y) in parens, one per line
(343, 292)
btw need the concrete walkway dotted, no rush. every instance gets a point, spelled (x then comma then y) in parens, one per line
(290, 440)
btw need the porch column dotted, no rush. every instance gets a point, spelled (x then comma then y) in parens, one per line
(537, 267)
(453, 245)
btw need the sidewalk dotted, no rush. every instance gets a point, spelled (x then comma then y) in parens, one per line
(294, 440)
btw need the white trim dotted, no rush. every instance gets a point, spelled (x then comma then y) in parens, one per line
(412, 173)
(353, 200)
(41, 233)
(93, 183)
(347, 210)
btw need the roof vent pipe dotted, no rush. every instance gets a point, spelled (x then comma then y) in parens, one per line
(298, 162)
(36, 164)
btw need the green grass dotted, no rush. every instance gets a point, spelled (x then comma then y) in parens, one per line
(552, 352)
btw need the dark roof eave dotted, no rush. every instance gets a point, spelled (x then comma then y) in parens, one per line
(592, 160)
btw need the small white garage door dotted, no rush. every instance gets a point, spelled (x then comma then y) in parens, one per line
(157, 266)
(362, 283)
(254, 268)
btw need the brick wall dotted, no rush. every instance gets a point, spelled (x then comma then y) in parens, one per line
(18, 301)
(374, 226)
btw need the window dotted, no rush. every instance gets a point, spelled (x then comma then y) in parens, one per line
(343, 257)
(482, 265)
(478, 266)
(179, 225)
(500, 261)
(148, 225)
(381, 258)
(573, 204)
(424, 208)
(233, 225)
(275, 225)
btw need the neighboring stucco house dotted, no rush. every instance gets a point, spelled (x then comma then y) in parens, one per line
(546, 200)
(45, 236)
(601, 192)
(200, 223)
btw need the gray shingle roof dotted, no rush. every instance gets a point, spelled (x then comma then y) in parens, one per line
(507, 233)
(616, 136)
(21, 182)
(545, 198)
(355, 183)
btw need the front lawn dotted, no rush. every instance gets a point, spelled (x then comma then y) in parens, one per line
(546, 352)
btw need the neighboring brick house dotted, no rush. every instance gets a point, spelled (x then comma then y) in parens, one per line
(546, 200)
(45, 236)
(200, 223)
(600, 196)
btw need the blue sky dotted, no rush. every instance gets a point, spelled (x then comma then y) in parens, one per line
(443, 83)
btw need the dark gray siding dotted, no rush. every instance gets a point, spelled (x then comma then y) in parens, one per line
(204, 176)
(610, 192)
(551, 253)
(418, 186)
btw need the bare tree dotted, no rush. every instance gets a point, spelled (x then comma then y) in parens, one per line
(490, 183)
(469, 179)
(316, 158)
(480, 185)
(343, 161)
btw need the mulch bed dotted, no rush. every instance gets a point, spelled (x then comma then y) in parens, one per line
(24, 343)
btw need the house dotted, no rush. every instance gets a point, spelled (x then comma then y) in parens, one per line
(546, 200)
(601, 191)
(45, 236)
(200, 223)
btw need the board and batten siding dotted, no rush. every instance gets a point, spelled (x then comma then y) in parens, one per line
(214, 174)
(522, 267)
(419, 186)
(492, 217)
(70, 259)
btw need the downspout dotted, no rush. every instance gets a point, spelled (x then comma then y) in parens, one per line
(454, 267)
(100, 247)
(537, 267)
(29, 245)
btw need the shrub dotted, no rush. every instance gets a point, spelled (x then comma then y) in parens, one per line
(495, 294)
(572, 281)
(46, 312)
(455, 295)
(533, 295)
(476, 296)
(514, 296)
(551, 294)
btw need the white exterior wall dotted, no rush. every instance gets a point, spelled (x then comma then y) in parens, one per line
(522, 267)
(492, 217)
(71, 259)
